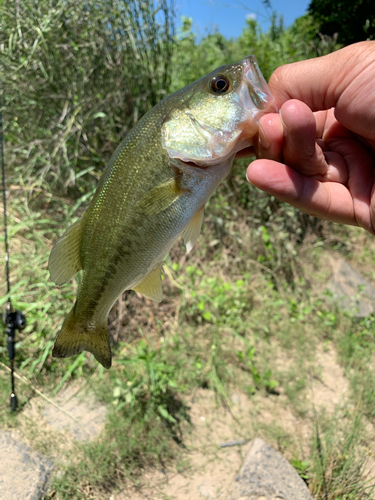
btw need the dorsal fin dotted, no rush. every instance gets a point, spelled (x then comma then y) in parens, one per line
(150, 286)
(65, 261)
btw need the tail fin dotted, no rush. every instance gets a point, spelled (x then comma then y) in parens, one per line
(75, 336)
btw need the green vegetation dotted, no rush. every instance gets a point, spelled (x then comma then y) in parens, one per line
(350, 21)
(247, 311)
(76, 80)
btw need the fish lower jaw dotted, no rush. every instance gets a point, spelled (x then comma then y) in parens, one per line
(214, 161)
(208, 164)
(193, 164)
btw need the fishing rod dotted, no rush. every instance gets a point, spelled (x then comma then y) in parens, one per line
(13, 320)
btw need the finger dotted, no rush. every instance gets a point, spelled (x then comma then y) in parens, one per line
(300, 148)
(269, 140)
(327, 200)
(337, 170)
(360, 168)
(270, 137)
(308, 155)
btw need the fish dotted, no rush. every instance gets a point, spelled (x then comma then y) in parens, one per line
(152, 192)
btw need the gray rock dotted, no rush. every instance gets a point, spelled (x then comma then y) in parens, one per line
(352, 291)
(267, 475)
(23, 473)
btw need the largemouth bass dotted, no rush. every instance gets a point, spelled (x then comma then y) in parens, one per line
(152, 192)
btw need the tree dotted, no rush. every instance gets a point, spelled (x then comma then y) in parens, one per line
(353, 20)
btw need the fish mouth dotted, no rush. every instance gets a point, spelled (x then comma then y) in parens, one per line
(192, 164)
(242, 148)
(243, 140)
(256, 87)
(244, 144)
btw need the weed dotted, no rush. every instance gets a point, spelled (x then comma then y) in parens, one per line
(337, 469)
(129, 444)
(260, 380)
(302, 467)
(356, 350)
(146, 383)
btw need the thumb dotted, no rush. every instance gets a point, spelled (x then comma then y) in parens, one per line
(343, 80)
(320, 82)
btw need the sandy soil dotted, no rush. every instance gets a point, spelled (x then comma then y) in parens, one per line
(212, 469)
(205, 470)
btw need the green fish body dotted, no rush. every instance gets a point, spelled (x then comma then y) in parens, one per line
(152, 192)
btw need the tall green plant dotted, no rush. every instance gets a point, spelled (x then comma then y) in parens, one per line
(77, 76)
(280, 45)
(194, 57)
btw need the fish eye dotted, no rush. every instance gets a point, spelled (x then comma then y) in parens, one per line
(220, 84)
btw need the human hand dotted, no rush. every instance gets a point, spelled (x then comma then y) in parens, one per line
(318, 154)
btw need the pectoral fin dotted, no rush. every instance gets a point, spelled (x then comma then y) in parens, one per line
(150, 286)
(193, 230)
(161, 197)
(64, 261)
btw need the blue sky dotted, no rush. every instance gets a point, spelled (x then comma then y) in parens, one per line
(229, 16)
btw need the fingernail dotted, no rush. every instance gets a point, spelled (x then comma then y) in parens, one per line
(247, 178)
(282, 122)
(264, 142)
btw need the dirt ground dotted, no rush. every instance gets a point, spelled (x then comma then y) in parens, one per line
(211, 469)
(205, 470)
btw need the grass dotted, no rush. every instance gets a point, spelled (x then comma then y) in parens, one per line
(338, 469)
(246, 311)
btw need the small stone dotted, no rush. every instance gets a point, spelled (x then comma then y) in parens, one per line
(207, 490)
(352, 292)
(235, 398)
(267, 475)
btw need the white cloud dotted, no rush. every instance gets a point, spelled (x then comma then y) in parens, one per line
(252, 16)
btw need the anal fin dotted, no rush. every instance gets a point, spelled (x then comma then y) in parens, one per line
(150, 286)
(64, 261)
(193, 229)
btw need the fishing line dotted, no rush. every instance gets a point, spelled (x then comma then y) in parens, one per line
(4, 204)
(13, 320)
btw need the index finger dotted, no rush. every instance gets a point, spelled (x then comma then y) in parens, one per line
(327, 200)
